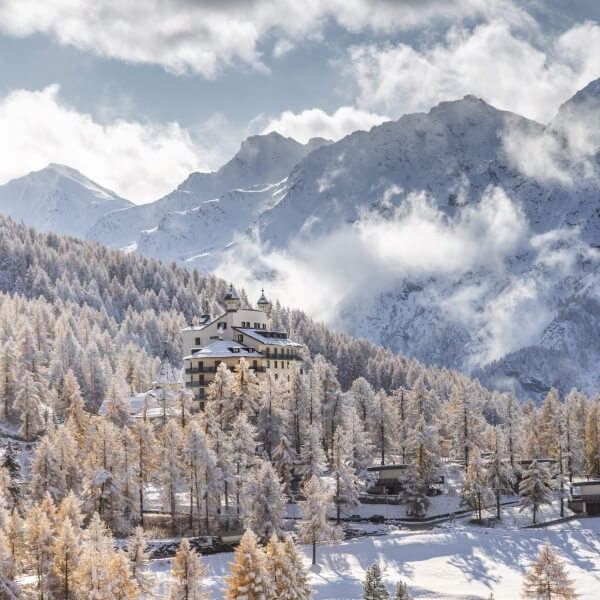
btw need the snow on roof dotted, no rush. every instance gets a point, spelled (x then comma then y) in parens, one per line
(231, 294)
(225, 349)
(166, 373)
(264, 337)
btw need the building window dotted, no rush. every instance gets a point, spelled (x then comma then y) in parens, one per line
(240, 338)
(288, 365)
(197, 342)
(275, 364)
(268, 364)
(264, 326)
(276, 376)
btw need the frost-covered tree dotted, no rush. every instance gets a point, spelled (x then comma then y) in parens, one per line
(46, 474)
(286, 569)
(66, 551)
(29, 396)
(475, 491)
(592, 440)
(245, 389)
(382, 425)
(499, 475)
(14, 531)
(139, 560)
(272, 414)
(314, 526)
(312, 460)
(146, 458)
(466, 420)
(284, 460)
(248, 577)
(12, 465)
(263, 502)
(346, 484)
(123, 585)
(187, 575)
(243, 448)
(39, 534)
(220, 398)
(547, 579)
(170, 470)
(535, 487)
(373, 586)
(402, 592)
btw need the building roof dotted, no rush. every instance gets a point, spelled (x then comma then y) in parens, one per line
(225, 349)
(264, 337)
(231, 294)
(166, 373)
(263, 298)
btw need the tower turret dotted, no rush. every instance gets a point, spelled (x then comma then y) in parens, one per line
(232, 300)
(263, 303)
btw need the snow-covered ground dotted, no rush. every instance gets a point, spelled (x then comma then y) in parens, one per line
(451, 562)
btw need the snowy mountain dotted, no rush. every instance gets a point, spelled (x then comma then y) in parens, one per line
(467, 236)
(199, 217)
(58, 198)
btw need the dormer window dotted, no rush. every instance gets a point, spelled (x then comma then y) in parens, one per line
(234, 350)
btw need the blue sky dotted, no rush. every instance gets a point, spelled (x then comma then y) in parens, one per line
(137, 95)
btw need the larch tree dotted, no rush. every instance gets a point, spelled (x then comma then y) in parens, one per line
(272, 414)
(27, 403)
(170, 471)
(284, 460)
(248, 577)
(139, 560)
(547, 579)
(243, 448)
(466, 420)
(187, 575)
(245, 389)
(314, 526)
(373, 586)
(402, 592)
(475, 491)
(592, 440)
(220, 403)
(287, 572)
(70, 508)
(499, 474)
(346, 483)
(312, 460)
(66, 551)
(535, 487)
(123, 584)
(39, 534)
(146, 458)
(382, 425)
(548, 433)
(45, 472)
(263, 501)
(8, 381)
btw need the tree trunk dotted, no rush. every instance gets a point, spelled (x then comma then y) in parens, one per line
(314, 550)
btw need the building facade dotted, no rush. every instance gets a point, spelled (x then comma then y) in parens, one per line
(237, 333)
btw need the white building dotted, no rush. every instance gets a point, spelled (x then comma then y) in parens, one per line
(237, 333)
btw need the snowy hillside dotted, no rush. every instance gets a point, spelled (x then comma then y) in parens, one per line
(58, 199)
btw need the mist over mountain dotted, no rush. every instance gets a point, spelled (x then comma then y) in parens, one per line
(466, 236)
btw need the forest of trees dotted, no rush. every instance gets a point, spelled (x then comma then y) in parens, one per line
(81, 323)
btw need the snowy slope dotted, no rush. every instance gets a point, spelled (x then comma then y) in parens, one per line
(59, 199)
(262, 160)
(456, 563)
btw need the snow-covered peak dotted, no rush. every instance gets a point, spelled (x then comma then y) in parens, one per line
(58, 198)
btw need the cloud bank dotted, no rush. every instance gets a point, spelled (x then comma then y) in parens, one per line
(204, 37)
(139, 161)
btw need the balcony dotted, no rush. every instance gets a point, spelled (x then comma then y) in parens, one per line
(197, 370)
(193, 384)
(258, 369)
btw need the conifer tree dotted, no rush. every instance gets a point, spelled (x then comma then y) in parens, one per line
(8, 381)
(346, 485)
(284, 459)
(466, 421)
(66, 551)
(146, 460)
(70, 508)
(248, 577)
(220, 407)
(245, 389)
(373, 586)
(535, 487)
(475, 491)
(14, 531)
(39, 534)
(312, 459)
(27, 403)
(46, 474)
(243, 446)
(382, 423)
(314, 526)
(592, 440)
(10, 462)
(402, 592)
(187, 575)
(272, 415)
(499, 475)
(263, 503)
(286, 570)
(170, 473)
(139, 559)
(547, 579)
(123, 585)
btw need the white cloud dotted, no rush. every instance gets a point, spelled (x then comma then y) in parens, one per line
(203, 37)
(418, 241)
(139, 161)
(315, 122)
(494, 60)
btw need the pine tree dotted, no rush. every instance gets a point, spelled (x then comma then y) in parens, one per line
(312, 459)
(466, 421)
(373, 586)
(314, 526)
(402, 592)
(28, 403)
(187, 574)
(248, 577)
(245, 389)
(170, 473)
(243, 446)
(297, 587)
(46, 474)
(8, 381)
(592, 440)
(14, 531)
(70, 508)
(272, 415)
(220, 407)
(547, 578)
(382, 422)
(535, 487)
(147, 459)
(284, 459)
(263, 503)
